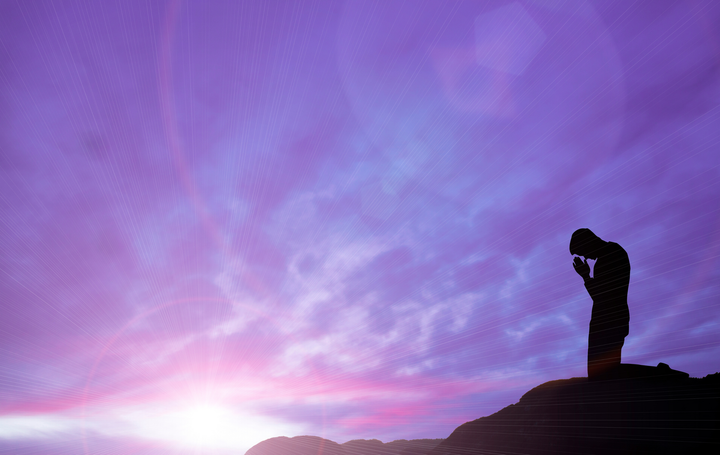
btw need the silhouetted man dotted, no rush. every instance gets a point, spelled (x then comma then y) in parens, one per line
(608, 288)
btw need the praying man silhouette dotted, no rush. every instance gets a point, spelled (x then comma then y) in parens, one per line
(608, 288)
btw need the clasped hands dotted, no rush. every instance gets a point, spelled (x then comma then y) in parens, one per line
(581, 267)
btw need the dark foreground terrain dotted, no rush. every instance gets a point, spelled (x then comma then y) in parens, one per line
(644, 410)
(641, 410)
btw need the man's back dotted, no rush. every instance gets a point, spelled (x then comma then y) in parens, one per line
(609, 287)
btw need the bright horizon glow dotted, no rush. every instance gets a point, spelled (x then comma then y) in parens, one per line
(182, 426)
(201, 427)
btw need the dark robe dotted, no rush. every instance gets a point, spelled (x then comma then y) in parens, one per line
(610, 315)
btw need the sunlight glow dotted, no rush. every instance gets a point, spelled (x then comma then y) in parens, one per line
(195, 427)
(203, 424)
(206, 426)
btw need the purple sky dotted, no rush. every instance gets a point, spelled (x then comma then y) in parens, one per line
(227, 221)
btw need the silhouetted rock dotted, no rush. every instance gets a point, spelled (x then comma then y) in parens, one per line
(635, 409)
(639, 410)
(417, 446)
(313, 445)
(299, 445)
(399, 447)
(365, 447)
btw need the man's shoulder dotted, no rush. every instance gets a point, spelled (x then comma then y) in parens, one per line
(613, 249)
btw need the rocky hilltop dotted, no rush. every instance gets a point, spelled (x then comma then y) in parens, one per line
(642, 410)
(639, 410)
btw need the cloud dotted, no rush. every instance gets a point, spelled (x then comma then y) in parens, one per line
(339, 220)
(15, 427)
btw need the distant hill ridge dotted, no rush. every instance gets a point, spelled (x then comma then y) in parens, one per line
(314, 445)
(641, 410)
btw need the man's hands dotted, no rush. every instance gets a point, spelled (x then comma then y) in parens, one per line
(582, 268)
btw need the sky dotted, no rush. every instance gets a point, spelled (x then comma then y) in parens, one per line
(225, 221)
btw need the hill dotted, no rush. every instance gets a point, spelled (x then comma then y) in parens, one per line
(314, 445)
(642, 410)
(639, 410)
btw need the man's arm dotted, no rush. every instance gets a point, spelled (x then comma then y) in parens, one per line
(582, 268)
(591, 283)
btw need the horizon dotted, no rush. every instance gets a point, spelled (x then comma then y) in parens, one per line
(346, 219)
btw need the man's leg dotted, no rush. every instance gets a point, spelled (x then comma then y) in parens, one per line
(604, 353)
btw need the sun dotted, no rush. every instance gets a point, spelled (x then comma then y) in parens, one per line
(205, 425)
(213, 426)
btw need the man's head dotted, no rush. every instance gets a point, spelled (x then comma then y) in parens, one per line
(585, 243)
